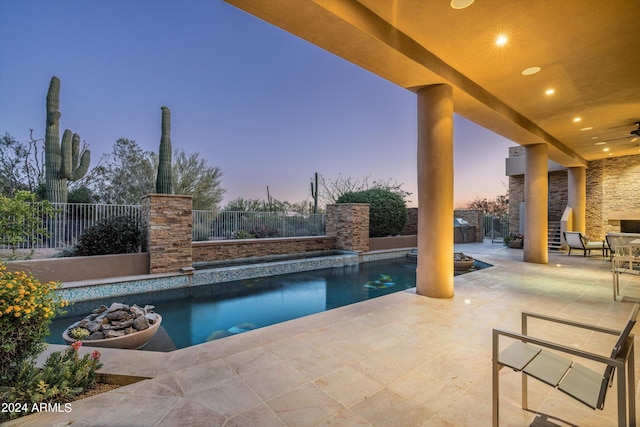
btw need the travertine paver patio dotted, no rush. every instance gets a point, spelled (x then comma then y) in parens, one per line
(398, 360)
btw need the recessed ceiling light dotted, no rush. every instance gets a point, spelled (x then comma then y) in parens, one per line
(577, 119)
(530, 70)
(461, 4)
(600, 143)
(501, 40)
(550, 91)
(605, 149)
(587, 128)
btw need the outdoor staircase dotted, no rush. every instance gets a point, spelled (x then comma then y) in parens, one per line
(555, 239)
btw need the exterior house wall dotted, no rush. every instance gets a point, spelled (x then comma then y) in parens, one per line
(612, 185)
(559, 194)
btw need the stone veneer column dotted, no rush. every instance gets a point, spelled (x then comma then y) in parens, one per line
(536, 199)
(434, 275)
(168, 220)
(349, 224)
(577, 197)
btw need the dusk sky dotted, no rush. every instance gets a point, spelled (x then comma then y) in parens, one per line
(266, 107)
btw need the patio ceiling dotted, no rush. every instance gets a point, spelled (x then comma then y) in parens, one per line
(586, 51)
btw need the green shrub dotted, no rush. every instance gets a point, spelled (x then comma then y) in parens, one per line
(387, 210)
(26, 309)
(116, 235)
(263, 231)
(241, 234)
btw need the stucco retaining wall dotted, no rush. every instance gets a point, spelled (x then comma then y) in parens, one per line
(84, 268)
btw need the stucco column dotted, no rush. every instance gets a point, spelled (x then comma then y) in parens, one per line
(577, 197)
(434, 275)
(536, 204)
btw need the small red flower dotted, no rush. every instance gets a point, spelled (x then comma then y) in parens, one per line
(95, 355)
(76, 345)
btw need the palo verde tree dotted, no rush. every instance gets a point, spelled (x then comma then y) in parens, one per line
(129, 172)
(63, 161)
(21, 220)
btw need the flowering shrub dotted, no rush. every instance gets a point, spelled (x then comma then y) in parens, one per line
(63, 376)
(26, 309)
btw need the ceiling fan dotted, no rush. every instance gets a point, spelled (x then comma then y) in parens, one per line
(634, 135)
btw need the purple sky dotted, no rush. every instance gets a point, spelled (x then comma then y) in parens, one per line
(264, 106)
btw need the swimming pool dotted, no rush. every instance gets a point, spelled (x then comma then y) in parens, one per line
(203, 313)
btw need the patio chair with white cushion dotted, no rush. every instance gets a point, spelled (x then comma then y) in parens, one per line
(533, 356)
(577, 240)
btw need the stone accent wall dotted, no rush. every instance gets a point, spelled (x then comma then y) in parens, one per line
(557, 197)
(168, 221)
(349, 224)
(411, 227)
(516, 195)
(246, 248)
(613, 184)
(559, 194)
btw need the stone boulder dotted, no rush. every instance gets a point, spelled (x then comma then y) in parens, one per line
(114, 321)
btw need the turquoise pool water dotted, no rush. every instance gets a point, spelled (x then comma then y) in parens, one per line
(203, 313)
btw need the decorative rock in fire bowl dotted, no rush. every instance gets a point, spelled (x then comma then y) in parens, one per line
(462, 262)
(117, 326)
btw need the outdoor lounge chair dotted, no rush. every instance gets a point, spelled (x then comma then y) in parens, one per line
(577, 240)
(532, 356)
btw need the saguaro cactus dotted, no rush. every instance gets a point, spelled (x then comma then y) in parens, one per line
(163, 180)
(63, 162)
(314, 194)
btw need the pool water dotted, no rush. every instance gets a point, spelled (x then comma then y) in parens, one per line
(198, 314)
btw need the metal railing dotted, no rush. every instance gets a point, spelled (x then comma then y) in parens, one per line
(69, 222)
(496, 228)
(71, 219)
(208, 225)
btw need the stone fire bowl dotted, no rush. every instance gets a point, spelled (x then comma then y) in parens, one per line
(131, 341)
(463, 265)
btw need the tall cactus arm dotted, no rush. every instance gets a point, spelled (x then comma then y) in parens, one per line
(82, 167)
(70, 148)
(65, 154)
(79, 168)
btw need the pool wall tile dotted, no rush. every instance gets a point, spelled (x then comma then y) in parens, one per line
(85, 292)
